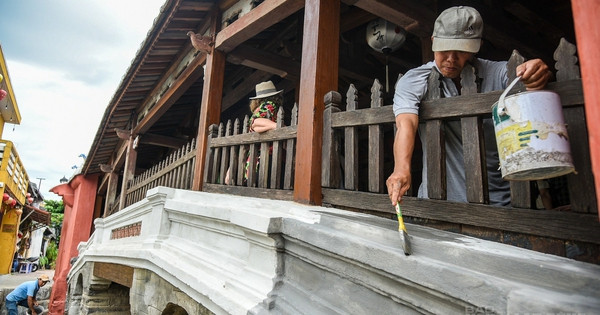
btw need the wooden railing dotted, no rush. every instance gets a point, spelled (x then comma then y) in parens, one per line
(175, 171)
(342, 176)
(230, 149)
(355, 183)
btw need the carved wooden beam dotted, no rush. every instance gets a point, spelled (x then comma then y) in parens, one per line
(106, 168)
(257, 20)
(123, 134)
(177, 87)
(163, 141)
(413, 17)
(265, 61)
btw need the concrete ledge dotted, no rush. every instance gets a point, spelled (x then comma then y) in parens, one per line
(239, 255)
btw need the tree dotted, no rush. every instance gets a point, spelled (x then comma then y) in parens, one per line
(57, 210)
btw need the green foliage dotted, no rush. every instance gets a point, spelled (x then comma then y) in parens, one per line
(43, 262)
(54, 206)
(51, 254)
(56, 209)
(56, 219)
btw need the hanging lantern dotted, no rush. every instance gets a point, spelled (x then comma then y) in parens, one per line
(30, 200)
(28, 195)
(13, 203)
(385, 37)
(8, 201)
(2, 94)
(5, 197)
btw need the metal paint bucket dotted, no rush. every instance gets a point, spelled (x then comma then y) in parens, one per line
(531, 135)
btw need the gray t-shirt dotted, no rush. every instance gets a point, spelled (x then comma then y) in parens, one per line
(411, 89)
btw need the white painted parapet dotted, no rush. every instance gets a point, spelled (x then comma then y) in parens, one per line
(240, 255)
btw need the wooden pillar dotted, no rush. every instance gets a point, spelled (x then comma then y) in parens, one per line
(210, 109)
(111, 192)
(320, 54)
(587, 32)
(128, 171)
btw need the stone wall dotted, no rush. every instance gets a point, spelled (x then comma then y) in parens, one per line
(88, 294)
(148, 295)
(152, 295)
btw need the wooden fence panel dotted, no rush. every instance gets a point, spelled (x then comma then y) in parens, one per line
(269, 156)
(471, 108)
(174, 171)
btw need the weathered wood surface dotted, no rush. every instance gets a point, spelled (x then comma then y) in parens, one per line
(175, 171)
(330, 156)
(210, 108)
(375, 140)
(117, 273)
(319, 73)
(270, 155)
(351, 143)
(520, 192)
(547, 223)
(278, 194)
(581, 192)
(570, 92)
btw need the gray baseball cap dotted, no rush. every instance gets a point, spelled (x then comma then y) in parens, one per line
(458, 28)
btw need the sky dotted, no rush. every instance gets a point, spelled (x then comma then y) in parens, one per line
(65, 60)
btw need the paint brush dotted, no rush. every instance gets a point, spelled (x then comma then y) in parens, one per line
(402, 231)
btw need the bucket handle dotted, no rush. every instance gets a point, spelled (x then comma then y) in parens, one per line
(501, 107)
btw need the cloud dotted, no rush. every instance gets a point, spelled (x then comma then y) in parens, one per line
(66, 59)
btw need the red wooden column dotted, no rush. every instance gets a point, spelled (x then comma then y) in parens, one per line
(319, 75)
(587, 32)
(210, 109)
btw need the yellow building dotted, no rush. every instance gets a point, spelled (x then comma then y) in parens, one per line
(13, 178)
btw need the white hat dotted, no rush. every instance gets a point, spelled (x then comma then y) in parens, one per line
(265, 89)
(458, 28)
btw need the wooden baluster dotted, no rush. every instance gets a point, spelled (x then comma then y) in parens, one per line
(582, 194)
(233, 155)
(243, 156)
(217, 158)
(225, 155)
(179, 170)
(473, 144)
(435, 148)
(520, 191)
(330, 160)
(188, 167)
(210, 153)
(375, 153)
(290, 153)
(351, 143)
(277, 154)
(169, 175)
(265, 161)
(252, 159)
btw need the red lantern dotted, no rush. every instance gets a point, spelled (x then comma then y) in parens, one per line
(8, 201)
(28, 195)
(2, 94)
(5, 197)
(30, 200)
(13, 203)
